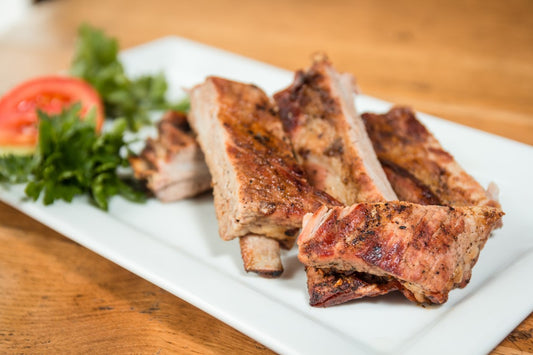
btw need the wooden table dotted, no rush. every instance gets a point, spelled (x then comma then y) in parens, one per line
(469, 62)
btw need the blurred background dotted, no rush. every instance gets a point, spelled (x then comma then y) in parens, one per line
(467, 61)
(11, 11)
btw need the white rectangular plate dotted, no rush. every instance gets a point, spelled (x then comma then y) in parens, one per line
(176, 245)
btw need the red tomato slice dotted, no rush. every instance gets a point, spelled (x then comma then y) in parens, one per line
(18, 108)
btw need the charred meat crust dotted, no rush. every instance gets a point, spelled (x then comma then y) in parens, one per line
(429, 250)
(328, 136)
(410, 152)
(408, 187)
(410, 156)
(331, 143)
(329, 287)
(259, 187)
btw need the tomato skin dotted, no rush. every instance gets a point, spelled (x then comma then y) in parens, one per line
(18, 107)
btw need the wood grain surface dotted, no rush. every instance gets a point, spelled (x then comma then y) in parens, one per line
(470, 62)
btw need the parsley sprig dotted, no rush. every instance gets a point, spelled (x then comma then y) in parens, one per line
(96, 61)
(73, 159)
(15, 169)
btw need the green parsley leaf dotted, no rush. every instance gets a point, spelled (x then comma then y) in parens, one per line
(96, 61)
(15, 169)
(73, 159)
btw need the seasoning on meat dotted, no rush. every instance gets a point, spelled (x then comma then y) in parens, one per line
(173, 164)
(330, 141)
(417, 166)
(420, 171)
(258, 186)
(329, 137)
(429, 249)
(328, 287)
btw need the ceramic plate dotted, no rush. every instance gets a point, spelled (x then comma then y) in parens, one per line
(176, 245)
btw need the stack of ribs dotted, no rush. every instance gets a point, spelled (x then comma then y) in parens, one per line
(384, 208)
(172, 165)
(260, 192)
(378, 244)
(423, 251)
(331, 143)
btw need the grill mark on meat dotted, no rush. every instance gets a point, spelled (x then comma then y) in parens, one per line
(329, 137)
(408, 187)
(404, 144)
(390, 141)
(433, 256)
(259, 188)
(330, 140)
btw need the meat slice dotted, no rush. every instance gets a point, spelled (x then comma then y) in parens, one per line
(429, 250)
(258, 186)
(420, 171)
(329, 287)
(172, 165)
(330, 140)
(417, 166)
(329, 137)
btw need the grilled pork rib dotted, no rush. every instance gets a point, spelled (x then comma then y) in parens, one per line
(329, 137)
(429, 250)
(173, 164)
(331, 142)
(416, 165)
(258, 186)
(420, 171)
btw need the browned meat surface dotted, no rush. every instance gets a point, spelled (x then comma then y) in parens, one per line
(328, 287)
(417, 166)
(331, 142)
(172, 165)
(407, 187)
(329, 137)
(419, 170)
(261, 255)
(258, 186)
(429, 250)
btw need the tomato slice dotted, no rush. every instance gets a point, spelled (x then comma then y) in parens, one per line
(18, 107)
